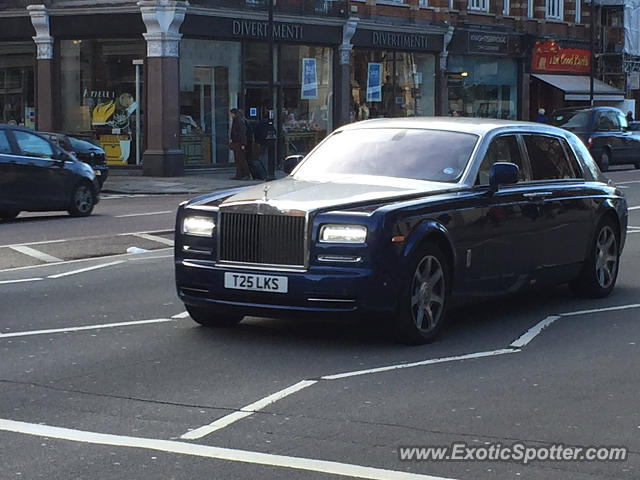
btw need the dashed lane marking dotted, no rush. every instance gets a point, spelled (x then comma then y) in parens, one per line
(154, 238)
(85, 327)
(32, 252)
(22, 280)
(218, 453)
(144, 214)
(87, 269)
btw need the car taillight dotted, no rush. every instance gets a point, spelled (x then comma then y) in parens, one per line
(590, 142)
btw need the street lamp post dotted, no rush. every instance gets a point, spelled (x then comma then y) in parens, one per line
(592, 15)
(272, 134)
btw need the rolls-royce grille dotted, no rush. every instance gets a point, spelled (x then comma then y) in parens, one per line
(263, 239)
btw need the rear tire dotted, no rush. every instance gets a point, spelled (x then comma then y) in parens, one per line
(421, 311)
(82, 201)
(605, 160)
(600, 269)
(208, 317)
(9, 215)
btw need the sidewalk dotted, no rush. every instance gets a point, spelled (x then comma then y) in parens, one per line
(123, 182)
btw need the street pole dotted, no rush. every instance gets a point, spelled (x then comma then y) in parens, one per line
(272, 132)
(138, 64)
(592, 32)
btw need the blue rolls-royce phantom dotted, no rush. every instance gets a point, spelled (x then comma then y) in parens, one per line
(401, 217)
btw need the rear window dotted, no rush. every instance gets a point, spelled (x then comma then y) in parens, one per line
(576, 120)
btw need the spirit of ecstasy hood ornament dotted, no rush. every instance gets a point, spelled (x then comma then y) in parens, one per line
(266, 193)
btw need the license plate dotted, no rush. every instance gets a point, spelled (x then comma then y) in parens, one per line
(256, 283)
(97, 172)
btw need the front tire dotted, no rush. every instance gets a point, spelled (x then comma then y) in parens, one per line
(208, 317)
(600, 270)
(423, 303)
(82, 201)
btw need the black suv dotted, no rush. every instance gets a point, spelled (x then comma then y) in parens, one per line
(84, 150)
(604, 131)
(37, 175)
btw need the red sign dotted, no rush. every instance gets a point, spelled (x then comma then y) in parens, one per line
(549, 57)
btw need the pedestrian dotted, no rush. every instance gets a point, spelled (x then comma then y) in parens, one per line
(541, 118)
(629, 117)
(239, 141)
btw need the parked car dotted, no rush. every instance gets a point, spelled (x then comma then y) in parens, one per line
(404, 218)
(85, 151)
(38, 175)
(604, 131)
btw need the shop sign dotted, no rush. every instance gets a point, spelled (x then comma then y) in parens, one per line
(374, 82)
(550, 57)
(397, 40)
(309, 89)
(485, 42)
(255, 29)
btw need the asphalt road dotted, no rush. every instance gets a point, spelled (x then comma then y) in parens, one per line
(103, 376)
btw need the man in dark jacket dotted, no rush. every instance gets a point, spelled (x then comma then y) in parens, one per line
(239, 143)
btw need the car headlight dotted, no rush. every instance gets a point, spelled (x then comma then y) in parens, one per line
(200, 226)
(343, 234)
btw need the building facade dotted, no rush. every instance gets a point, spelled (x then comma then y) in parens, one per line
(154, 80)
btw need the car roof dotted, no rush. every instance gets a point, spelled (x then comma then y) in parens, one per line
(477, 126)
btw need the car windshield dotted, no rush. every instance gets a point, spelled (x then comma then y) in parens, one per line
(82, 145)
(572, 120)
(433, 155)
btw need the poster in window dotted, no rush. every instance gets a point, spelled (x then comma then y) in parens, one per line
(309, 79)
(374, 83)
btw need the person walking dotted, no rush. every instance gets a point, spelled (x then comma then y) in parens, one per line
(239, 143)
(541, 118)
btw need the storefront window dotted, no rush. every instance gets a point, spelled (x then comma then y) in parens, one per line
(306, 78)
(98, 93)
(482, 87)
(210, 83)
(391, 84)
(17, 98)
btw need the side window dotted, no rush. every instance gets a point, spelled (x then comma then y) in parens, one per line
(502, 149)
(615, 121)
(5, 146)
(548, 159)
(32, 145)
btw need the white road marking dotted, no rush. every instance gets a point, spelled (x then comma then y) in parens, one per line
(181, 315)
(143, 214)
(597, 310)
(138, 257)
(85, 327)
(35, 253)
(634, 208)
(93, 237)
(218, 453)
(432, 361)
(629, 181)
(22, 280)
(533, 332)
(87, 269)
(246, 411)
(153, 238)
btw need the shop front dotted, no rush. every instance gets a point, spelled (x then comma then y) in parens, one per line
(231, 71)
(393, 74)
(17, 93)
(100, 94)
(483, 74)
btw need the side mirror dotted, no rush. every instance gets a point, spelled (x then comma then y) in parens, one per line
(503, 173)
(291, 162)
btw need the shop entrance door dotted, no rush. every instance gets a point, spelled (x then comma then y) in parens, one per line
(211, 105)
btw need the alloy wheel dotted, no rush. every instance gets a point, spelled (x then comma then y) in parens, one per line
(606, 257)
(428, 293)
(83, 199)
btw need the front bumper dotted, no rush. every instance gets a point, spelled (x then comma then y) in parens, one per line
(321, 290)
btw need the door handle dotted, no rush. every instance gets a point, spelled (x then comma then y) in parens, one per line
(535, 195)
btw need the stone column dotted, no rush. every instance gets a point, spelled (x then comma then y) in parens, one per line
(163, 19)
(343, 73)
(44, 70)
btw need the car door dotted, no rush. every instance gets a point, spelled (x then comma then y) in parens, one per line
(500, 239)
(608, 134)
(558, 188)
(47, 178)
(631, 141)
(10, 173)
